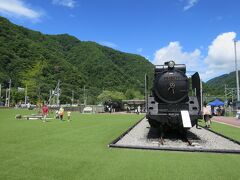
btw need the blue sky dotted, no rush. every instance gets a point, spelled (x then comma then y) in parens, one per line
(196, 32)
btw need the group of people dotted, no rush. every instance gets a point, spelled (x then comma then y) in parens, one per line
(218, 111)
(137, 110)
(59, 114)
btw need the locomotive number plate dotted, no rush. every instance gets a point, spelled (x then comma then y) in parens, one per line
(173, 78)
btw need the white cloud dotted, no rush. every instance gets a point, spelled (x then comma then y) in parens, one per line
(67, 3)
(174, 52)
(109, 44)
(190, 4)
(17, 8)
(219, 60)
(221, 57)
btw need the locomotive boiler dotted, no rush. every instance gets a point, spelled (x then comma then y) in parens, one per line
(174, 103)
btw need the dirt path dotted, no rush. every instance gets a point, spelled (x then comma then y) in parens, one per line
(232, 121)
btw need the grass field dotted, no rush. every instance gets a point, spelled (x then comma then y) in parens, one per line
(229, 131)
(78, 150)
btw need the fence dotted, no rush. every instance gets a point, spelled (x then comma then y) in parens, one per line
(82, 108)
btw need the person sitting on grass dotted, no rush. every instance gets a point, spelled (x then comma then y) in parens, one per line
(44, 112)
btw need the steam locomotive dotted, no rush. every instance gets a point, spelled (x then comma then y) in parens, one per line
(169, 106)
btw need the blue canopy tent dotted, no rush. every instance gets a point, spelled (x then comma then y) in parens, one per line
(216, 102)
(218, 111)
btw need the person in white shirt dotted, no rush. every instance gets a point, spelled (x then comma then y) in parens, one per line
(207, 114)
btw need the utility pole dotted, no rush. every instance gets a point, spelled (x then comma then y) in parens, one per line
(50, 97)
(236, 67)
(6, 98)
(225, 92)
(72, 97)
(0, 93)
(54, 95)
(26, 95)
(84, 95)
(146, 93)
(58, 92)
(201, 94)
(8, 94)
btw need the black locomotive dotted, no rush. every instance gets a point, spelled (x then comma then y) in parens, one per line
(170, 96)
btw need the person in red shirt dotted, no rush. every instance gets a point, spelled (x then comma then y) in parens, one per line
(44, 112)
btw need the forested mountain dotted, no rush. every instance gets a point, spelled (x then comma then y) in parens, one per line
(216, 86)
(30, 58)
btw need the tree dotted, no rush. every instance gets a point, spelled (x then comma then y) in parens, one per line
(111, 95)
(32, 79)
(133, 94)
(39, 61)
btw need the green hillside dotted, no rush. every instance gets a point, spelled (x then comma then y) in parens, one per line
(38, 61)
(216, 86)
(30, 58)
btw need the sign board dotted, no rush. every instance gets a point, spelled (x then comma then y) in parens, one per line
(186, 119)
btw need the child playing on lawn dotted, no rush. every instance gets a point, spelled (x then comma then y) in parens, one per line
(44, 112)
(61, 113)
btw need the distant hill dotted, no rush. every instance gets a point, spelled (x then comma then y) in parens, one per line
(216, 86)
(39, 61)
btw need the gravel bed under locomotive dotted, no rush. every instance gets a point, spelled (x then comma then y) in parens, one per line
(170, 97)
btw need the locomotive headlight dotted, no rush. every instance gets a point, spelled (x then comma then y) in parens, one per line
(171, 64)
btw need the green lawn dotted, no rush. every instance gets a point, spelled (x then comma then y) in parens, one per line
(78, 150)
(232, 132)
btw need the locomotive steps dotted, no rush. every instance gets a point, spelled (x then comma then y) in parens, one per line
(141, 136)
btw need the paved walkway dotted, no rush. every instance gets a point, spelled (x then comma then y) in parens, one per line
(232, 121)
